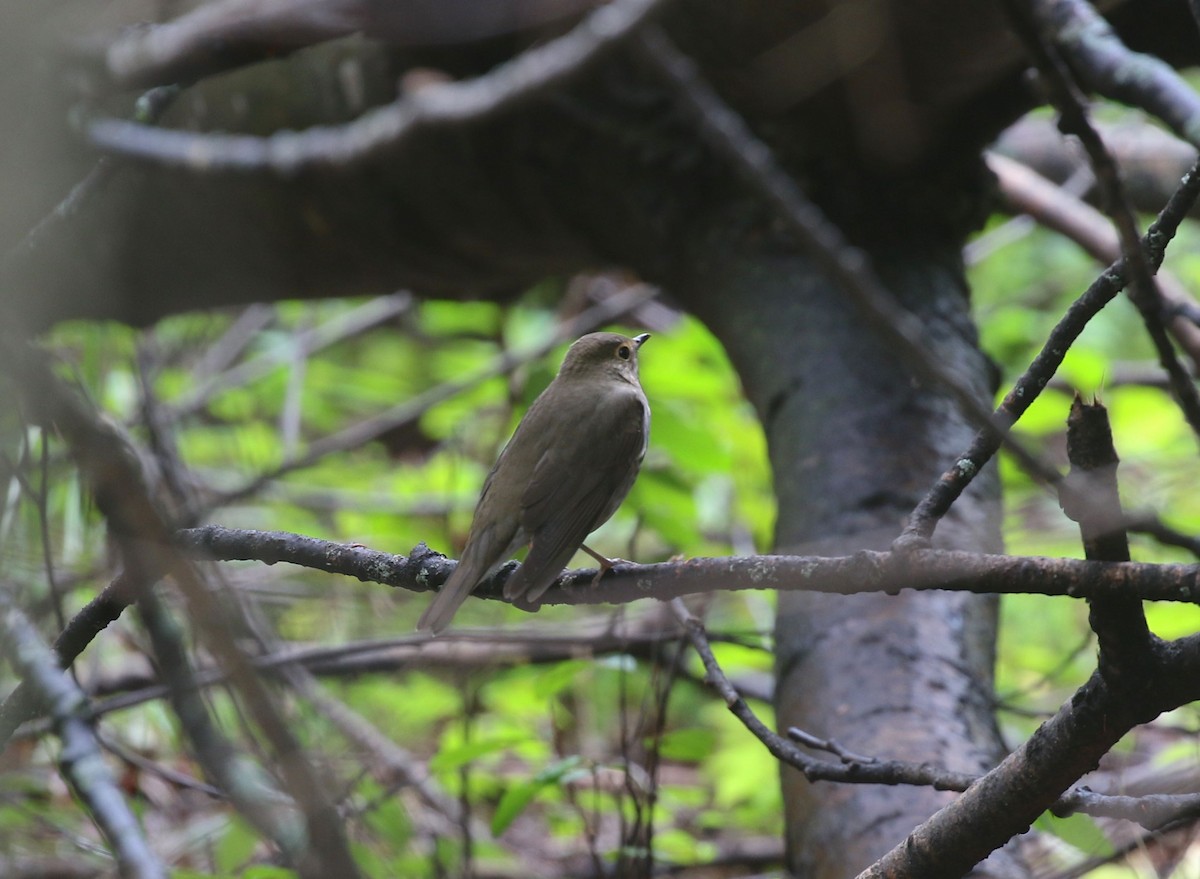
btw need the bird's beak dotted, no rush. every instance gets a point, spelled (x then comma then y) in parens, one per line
(639, 341)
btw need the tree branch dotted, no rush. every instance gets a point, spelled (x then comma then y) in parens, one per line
(1050, 205)
(1105, 65)
(1152, 811)
(1055, 16)
(1006, 801)
(383, 131)
(846, 265)
(1031, 382)
(1090, 497)
(108, 467)
(106, 607)
(81, 761)
(216, 36)
(424, 570)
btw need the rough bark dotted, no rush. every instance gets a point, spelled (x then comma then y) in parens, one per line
(905, 677)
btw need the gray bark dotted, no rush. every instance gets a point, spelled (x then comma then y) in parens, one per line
(854, 442)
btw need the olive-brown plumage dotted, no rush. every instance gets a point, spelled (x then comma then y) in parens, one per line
(568, 466)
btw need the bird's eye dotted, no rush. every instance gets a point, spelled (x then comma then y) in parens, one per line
(623, 352)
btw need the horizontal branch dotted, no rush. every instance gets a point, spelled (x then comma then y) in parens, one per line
(424, 570)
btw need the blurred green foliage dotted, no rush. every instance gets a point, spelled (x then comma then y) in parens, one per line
(561, 751)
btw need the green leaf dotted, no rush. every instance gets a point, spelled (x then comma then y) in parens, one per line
(1078, 831)
(236, 845)
(688, 745)
(517, 798)
(457, 757)
(556, 678)
(267, 871)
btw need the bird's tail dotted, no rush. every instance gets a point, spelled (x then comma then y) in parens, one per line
(449, 599)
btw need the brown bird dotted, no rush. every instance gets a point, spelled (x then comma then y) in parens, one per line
(568, 466)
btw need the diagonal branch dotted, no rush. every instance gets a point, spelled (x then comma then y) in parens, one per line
(1006, 801)
(1030, 383)
(1031, 17)
(846, 265)
(1106, 65)
(106, 607)
(216, 36)
(1053, 207)
(82, 763)
(115, 481)
(1151, 811)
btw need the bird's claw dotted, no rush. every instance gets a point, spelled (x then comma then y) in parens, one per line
(607, 565)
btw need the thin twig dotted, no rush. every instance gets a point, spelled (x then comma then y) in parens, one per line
(310, 340)
(1030, 17)
(455, 650)
(1052, 206)
(1030, 383)
(79, 632)
(108, 466)
(1090, 496)
(859, 769)
(81, 760)
(251, 790)
(410, 410)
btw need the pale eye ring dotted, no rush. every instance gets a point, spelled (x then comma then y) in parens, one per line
(623, 352)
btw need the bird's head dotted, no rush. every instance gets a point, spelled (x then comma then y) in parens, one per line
(604, 354)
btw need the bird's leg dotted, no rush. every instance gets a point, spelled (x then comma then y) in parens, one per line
(606, 564)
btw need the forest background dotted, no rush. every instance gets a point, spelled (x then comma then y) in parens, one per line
(585, 739)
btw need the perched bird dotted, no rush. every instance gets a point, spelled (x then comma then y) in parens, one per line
(568, 466)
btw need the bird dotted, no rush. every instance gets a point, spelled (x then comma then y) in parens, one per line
(564, 472)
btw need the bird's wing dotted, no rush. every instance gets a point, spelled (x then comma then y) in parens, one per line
(576, 485)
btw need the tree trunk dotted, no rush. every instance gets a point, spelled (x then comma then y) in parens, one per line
(854, 442)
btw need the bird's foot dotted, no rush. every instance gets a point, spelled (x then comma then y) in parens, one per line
(606, 564)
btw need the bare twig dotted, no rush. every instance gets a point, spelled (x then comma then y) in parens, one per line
(251, 790)
(79, 632)
(851, 768)
(1053, 207)
(216, 36)
(166, 773)
(82, 763)
(1031, 382)
(1030, 17)
(1153, 526)
(1006, 800)
(312, 339)
(108, 467)
(1152, 811)
(1090, 497)
(390, 764)
(148, 108)
(1105, 65)
(451, 651)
